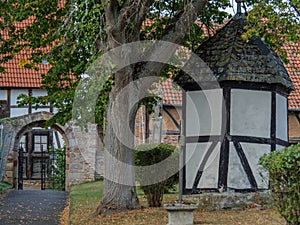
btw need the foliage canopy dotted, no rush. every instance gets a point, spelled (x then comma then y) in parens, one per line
(70, 34)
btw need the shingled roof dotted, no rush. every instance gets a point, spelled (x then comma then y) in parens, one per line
(233, 59)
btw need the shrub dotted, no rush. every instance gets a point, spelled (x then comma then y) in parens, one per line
(284, 175)
(4, 186)
(57, 168)
(149, 154)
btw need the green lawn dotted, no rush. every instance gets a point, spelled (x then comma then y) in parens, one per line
(85, 198)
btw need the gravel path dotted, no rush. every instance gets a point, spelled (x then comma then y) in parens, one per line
(33, 207)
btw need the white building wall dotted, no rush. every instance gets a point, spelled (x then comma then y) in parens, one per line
(204, 114)
(14, 95)
(3, 94)
(281, 117)
(195, 153)
(250, 113)
(18, 112)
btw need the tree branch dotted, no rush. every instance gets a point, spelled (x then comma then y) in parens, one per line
(132, 15)
(177, 31)
(145, 5)
(112, 10)
(175, 34)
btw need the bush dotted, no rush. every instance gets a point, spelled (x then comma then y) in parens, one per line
(57, 168)
(149, 154)
(4, 186)
(284, 175)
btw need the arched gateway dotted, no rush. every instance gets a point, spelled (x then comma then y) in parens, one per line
(80, 158)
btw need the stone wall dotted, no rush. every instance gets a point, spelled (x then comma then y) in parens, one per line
(227, 200)
(171, 139)
(82, 154)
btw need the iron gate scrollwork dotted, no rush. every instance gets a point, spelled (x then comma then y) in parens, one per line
(43, 169)
(20, 167)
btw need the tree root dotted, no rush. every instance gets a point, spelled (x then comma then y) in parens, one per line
(110, 209)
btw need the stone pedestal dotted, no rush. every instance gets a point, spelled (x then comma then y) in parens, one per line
(181, 214)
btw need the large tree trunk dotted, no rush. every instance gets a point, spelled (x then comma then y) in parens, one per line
(119, 182)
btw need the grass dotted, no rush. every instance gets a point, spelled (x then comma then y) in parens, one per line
(86, 197)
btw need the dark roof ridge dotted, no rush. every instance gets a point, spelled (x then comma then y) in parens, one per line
(236, 17)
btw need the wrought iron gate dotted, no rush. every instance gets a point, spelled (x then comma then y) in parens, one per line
(20, 167)
(43, 167)
(39, 162)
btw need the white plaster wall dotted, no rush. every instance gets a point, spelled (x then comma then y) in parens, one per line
(279, 147)
(250, 113)
(40, 110)
(281, 117)
(18, 112)
(38, 92)
(3, 94)
(194, 156)
(204, 112)
(211, 171)
(237, 178)
(253, 153)
(15, 93)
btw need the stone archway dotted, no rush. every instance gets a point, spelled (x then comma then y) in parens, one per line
(81, 148)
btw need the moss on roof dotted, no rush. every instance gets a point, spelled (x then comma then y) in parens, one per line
(233, 59)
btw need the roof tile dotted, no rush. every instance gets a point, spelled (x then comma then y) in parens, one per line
(293, 67)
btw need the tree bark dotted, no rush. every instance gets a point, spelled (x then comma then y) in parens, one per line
(119, 182)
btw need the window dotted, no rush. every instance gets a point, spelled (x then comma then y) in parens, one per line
(40, 143)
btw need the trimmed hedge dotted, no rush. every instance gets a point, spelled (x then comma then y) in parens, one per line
(284, 176)
(149, 154)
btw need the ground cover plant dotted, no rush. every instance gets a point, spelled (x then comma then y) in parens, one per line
(85, 197)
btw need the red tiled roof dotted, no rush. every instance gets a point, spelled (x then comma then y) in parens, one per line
(172, 94)
(16, 76)
(293, 67)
